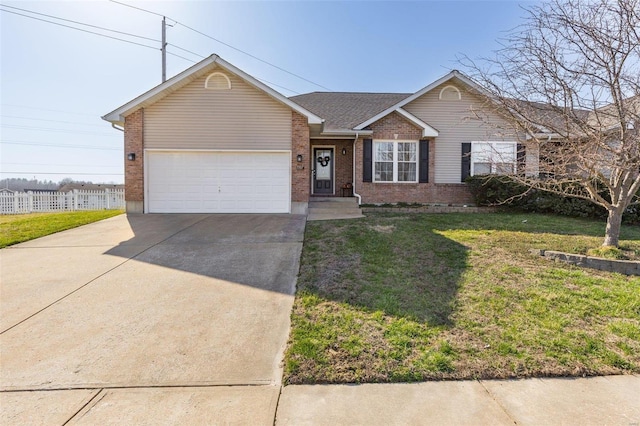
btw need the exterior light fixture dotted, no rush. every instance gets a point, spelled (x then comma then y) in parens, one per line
(299, 158)
(131, 156)
(344, 151)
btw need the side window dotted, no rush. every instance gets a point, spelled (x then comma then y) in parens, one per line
(493, 158)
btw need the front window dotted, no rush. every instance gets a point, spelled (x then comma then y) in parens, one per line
(395, 161)
(493, 158)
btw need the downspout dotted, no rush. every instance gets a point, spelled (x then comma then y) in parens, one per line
(116, 127)
(355, 194)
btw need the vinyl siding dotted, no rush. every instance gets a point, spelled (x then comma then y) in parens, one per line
(243, 118)
(456, 123)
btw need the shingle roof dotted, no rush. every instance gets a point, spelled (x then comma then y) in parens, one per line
(547, 117)
(345, 110)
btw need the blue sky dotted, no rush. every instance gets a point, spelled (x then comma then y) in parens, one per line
(56, 82)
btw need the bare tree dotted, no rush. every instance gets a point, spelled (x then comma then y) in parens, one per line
(567, 82)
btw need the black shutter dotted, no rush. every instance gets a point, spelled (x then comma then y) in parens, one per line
(424, 162)
(466, 161)
(521, 163)
(367, 159)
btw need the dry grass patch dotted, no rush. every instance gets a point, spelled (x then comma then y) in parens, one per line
(458, 297)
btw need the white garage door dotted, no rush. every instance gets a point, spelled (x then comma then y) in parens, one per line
(218, 182)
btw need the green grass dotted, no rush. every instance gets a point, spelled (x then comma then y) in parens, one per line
(16, 229)
(410, 297)
(618, 253)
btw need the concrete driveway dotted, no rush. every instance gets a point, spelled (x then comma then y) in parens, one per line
(188, 314)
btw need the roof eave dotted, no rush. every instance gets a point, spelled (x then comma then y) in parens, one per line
(311, 117)
(544, 135)
(117, 116)
(427, 130)
(345, 132)
(443, 79)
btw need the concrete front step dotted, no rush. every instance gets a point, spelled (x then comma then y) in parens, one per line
(327, 208)
(346, 200)
(333, 216)
(334, 208)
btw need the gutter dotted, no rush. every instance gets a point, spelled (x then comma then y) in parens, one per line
(346, 132)
(547, 136)
(353, 184)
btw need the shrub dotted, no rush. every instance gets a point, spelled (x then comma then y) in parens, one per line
(505, 192)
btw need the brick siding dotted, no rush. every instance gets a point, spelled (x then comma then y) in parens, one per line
(395, 124)
(300, 173)
(133, 143)
(426, 193)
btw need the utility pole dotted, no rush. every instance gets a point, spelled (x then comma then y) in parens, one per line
(164, 49)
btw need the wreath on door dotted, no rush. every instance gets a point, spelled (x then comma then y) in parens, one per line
(324, 162)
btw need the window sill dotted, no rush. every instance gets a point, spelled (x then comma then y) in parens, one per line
(395, 183)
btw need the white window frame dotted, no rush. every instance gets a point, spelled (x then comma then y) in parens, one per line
(494, 156)
(395, 160)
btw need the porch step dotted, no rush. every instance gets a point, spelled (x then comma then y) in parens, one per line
(334, 208)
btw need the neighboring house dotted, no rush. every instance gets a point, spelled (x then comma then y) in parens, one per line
(47, 191)
(215, 139)
(89, 187)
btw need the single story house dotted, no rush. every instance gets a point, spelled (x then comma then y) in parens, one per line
(215, 139)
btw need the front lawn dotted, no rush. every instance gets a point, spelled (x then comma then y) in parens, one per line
(16, 229)
(410, 297)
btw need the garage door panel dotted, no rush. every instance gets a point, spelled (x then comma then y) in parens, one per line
(209, 189)
(216, 182)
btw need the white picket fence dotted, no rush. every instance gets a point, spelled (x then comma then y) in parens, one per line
(32, 202)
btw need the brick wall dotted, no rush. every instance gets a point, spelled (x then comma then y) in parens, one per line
(426, 193)
(395, 124)
(300, 173)
(133, 143)
(343, 163)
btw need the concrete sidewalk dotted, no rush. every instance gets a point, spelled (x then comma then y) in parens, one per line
(148, 319)
(182, 319)
(611, 400)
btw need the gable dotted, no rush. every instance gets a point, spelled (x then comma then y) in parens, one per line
(395, 126)
(345, 110)
(218, 110)
(453, 107)
(189, 75)
(457, 122)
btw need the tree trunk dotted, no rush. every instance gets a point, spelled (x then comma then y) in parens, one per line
(612, 233)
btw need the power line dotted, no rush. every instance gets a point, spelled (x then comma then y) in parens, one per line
(46, 109)
(27, 143)
(81, 23)
(261, 79)
(181, 57)
(57, 165)
(80, 29)
(53, 121)
(255, 57)
(277, 85)
(228, 45)
(185, 50)
(143, 45)
(46, 129)
(139, 8)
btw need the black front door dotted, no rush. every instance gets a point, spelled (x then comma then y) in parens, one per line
(323, 170)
